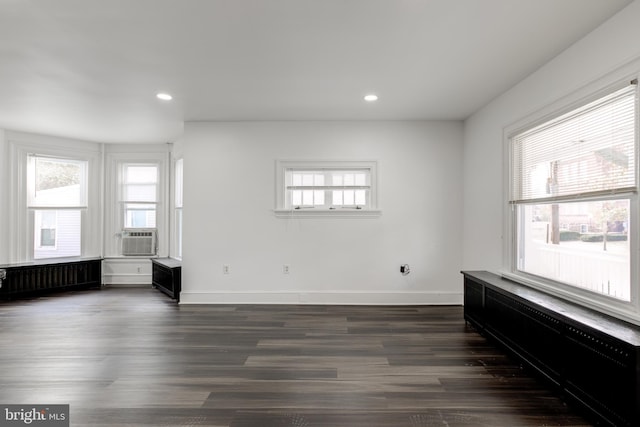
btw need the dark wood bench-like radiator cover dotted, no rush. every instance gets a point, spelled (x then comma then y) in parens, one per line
(32, 278)
(592, 358)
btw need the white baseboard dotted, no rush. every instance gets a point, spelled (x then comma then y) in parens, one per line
(423, 298)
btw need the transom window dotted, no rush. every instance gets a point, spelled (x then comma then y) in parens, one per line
(574, 192)
(328, 189)
(334, 188)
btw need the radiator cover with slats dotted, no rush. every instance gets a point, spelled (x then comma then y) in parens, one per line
(593, 358)
(40, 277)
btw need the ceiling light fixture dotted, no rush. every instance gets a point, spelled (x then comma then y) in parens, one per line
(164, 96)
(371, 98)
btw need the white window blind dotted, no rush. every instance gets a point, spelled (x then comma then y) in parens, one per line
(140, 195)
(587, 152)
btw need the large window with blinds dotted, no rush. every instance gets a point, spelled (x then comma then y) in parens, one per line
(573, 191)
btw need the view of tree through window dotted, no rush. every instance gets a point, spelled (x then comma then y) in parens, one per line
(54, 174)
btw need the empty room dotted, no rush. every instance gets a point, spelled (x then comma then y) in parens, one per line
(239, 213)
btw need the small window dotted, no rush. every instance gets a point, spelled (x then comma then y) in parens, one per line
(46, 223)
(326, 188)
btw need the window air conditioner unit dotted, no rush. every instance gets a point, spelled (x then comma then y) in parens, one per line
(138, 242)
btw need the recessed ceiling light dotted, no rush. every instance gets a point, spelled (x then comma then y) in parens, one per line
(371, 98)
(164, 96)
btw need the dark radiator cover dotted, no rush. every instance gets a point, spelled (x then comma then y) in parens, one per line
(592, 358)
(51, 275)
(166, 275)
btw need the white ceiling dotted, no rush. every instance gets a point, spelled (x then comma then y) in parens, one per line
(90, 69)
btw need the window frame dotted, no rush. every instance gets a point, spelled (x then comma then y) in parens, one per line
(38, 207)
(125, 202)
(178, 202)
(115, 156)
(283, 167)
(628, 311)
(22, 236)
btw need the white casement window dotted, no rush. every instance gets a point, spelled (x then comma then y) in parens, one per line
(139, 195)
(326, 188)
(574, 203)
(179, 168)
(56, 197)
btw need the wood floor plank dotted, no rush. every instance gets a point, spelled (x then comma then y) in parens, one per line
(132, 357)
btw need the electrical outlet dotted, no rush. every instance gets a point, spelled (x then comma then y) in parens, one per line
(226, 269)
(285, 269)
(404, 269)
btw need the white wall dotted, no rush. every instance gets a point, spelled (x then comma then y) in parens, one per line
(605, 55)
(228, 215)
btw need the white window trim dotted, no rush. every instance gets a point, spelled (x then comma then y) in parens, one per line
(125, 203)
(282, 166)
(176, 235)
(115, 157)
(21, 235)
(628, 311)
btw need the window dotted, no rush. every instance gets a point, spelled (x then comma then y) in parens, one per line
(139, 195)
(56, 196)
(179, 171)
(573, 188)
(326, 187)
(136, 197)
(46, 222)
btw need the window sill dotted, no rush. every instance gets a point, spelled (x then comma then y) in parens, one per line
(325, 213)
(626, 311)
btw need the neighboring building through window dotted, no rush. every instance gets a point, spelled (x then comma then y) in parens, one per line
(573, 186)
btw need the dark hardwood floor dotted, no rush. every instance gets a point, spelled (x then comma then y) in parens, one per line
(132, 357)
